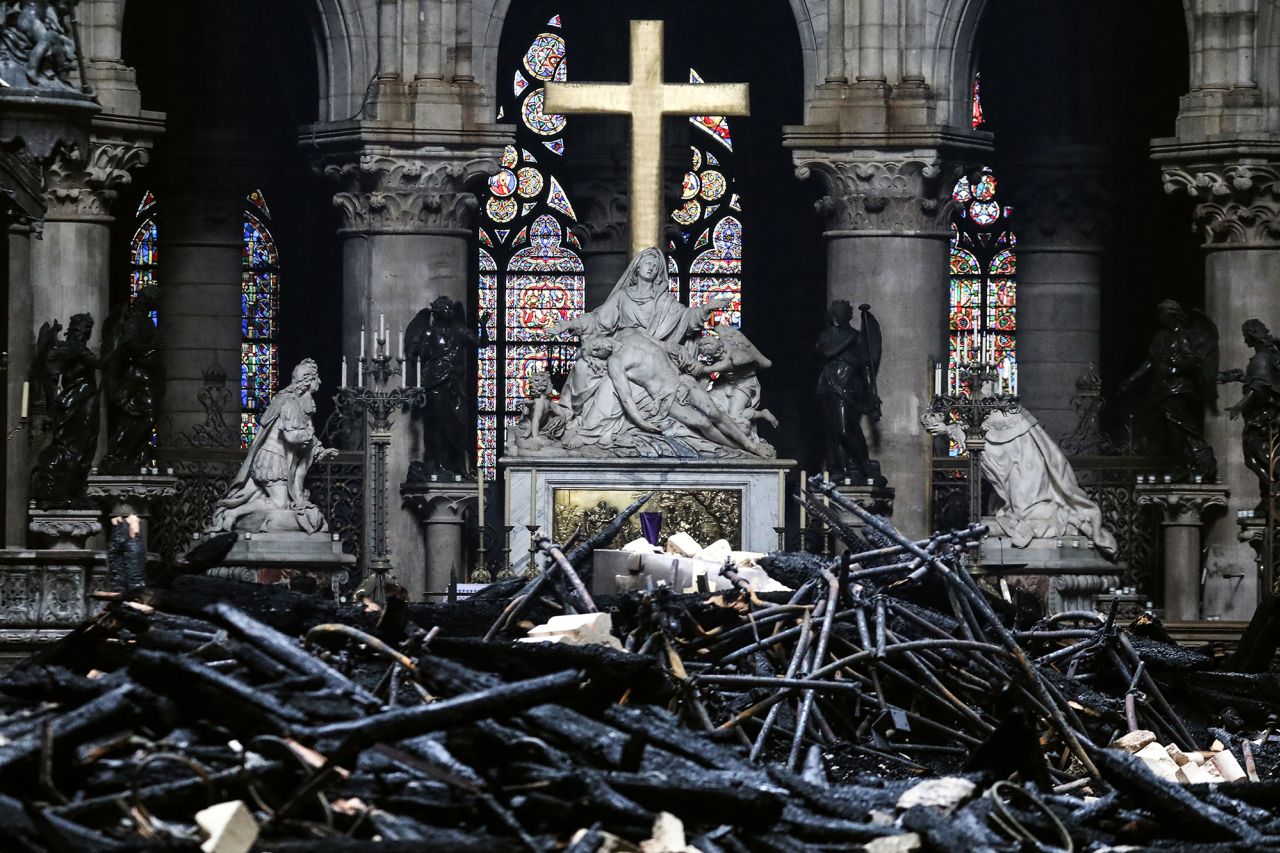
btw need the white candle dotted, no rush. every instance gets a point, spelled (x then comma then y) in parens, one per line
(26, 397)
(506, 496)
(360, 372)
(361, 340)
(344, 371)
(782, 498)
(826, 478)
(937, 378)
(533, 496)
(400, 344)
(382, 326)
(419, 373)
(804, 513)
(480, 505)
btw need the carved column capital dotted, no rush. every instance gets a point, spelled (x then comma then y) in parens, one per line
(899, 195)
(1235, 203)
(408, 193)
(85, 190)
(1181, 504)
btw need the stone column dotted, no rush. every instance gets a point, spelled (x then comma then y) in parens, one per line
(887, 244)
(406, 233)
(1183, 507)
(442, 509)
(70, 264)
(1238, 212)
(1060, 213)
(201, 240)
(21, 346)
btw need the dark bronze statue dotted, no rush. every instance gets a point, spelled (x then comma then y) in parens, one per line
(132, 379)
(1181, 369)
(847, 391)
(1259, 405)
(440, 338)
(64, 374)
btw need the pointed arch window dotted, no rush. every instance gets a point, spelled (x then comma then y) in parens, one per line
(530, 270)
(983, 318)
(259, 315)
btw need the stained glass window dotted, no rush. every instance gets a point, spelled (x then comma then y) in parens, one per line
(975, 117)
(144, 248)
(705, 260)
(259, 316)
(983, 320)
(530, 272)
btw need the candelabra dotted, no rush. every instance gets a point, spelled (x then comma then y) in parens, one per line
(971, 411)
(379, 401)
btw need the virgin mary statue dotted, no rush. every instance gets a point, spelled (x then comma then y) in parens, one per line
(642, 299)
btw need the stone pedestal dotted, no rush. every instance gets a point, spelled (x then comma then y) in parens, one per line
(44, 594)
(1065, 573)
(749, 487)
(124, 495)
(1183, 507)
(65, 529)
(1253, 532)
(442, 509)
(286, 558)
(867, 496)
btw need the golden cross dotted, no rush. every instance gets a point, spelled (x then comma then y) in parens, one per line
(647, 99)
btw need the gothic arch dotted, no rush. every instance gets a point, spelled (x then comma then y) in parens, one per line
(954, 50)
(491, 15)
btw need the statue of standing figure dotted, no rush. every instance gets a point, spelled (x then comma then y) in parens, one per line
(1259, 406)
(847, 391)
(439, 337)
(64, 373)
(268, 493)
(132, 380)
(38, 36)
(1181, 368)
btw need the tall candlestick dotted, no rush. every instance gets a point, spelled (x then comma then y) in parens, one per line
(344, 371)
(26, 397)
(533, 497)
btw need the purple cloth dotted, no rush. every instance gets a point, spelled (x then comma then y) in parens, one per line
(650, 524)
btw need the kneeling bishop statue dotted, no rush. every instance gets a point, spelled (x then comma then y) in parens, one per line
(267, 494)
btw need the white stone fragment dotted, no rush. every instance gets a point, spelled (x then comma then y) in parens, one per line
(1158, 761)
(1179, 757)
(717, 552)
(576, 629)
(745, 559)
(230, 826)
(907, 842)
(683, 545)
(1227, 765)
(1134, 740)
(641, 546)
(668, 836)
(945, 793)
(1193, 774)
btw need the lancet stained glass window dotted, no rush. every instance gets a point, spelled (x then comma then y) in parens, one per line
(705, 259)
(144, 248)
(259, 316)
(983, 319)
(530, 270)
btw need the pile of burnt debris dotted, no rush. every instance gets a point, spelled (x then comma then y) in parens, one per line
(889, 702)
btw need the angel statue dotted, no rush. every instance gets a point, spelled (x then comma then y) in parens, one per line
(1259, 405)
(132, 379)
(64, 374)
(733, 364)
(1181, 369)
(847, 391)
(438, 338)
(267, 494)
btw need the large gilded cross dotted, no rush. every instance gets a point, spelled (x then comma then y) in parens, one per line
(647, 99)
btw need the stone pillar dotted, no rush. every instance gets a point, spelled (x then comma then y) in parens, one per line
(442, 509)
(70, 264)
(1183, 507)
(21, 346)
(406, 239)
(887, 245)
(201, 240)
(1060, 209)
(1238, 212)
